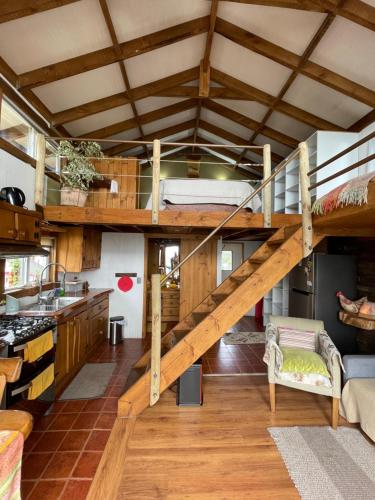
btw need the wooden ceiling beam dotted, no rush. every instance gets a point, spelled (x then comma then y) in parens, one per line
(234, 139)
(363, 122)
(108, 55)
(247, 122)
(113, 101)
(158, 134)
(193, 91)
(295, 62)
(355, 10)
(267, 99)
(15, 9)
(149, 117)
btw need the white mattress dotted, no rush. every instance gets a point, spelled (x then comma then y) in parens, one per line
(198, 191)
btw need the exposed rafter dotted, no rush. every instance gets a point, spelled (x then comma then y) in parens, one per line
(149, 117)
(247, 122)
(297, 63)
(355, 10)
(193, 91)
(103, 57)
(363, 122)
(267, 99)
(113, 101)
(14, 9)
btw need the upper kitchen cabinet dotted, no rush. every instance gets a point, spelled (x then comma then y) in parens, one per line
(79, 249)
(19, 225)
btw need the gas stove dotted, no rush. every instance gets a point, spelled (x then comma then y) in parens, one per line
(18, 329)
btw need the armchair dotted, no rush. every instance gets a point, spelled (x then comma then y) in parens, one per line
(324, 347)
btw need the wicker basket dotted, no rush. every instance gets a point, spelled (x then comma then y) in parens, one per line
(73, 196)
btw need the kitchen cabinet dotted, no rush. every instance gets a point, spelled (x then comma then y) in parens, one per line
(77, 336)
(18, 224)
(79, 249)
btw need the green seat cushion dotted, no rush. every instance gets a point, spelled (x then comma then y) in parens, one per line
(297, 360)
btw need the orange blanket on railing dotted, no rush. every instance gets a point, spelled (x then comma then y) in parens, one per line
(353, 192)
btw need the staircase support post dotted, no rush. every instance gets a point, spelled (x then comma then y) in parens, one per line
(267, 191)
(39, 170)
(307, 230)
(155, 181)
(155, 339)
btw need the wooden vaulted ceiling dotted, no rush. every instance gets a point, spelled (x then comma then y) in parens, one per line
(232, 71)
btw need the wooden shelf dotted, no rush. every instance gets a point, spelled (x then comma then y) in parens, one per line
(357, 321)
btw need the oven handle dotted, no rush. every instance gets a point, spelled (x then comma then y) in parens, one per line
(21, 389)
(20, 347)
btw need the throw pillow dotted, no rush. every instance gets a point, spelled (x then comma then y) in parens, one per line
(302, 361)
(292, 337)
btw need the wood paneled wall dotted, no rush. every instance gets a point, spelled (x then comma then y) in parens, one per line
(126, 172)
(198, 275)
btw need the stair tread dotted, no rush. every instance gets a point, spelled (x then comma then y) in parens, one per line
(276, 241)
(258, 260)
(238, 279)
(219, 297)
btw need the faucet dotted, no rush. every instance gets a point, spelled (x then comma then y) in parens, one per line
(62, 283)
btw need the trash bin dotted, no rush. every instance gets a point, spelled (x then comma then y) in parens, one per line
(116, 324)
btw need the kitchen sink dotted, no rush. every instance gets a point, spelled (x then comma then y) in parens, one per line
(56, 305)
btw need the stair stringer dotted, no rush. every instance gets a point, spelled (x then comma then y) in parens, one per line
(181, 356)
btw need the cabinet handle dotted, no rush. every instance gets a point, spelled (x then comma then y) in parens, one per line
(13, 232)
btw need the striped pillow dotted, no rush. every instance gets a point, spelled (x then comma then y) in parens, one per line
(291, 337)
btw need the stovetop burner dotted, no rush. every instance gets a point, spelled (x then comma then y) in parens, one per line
(16, 329)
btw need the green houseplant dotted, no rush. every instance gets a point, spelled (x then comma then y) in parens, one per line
(77, 170)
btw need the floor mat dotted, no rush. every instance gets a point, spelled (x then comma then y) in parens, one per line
(234, 338)
(90, 382)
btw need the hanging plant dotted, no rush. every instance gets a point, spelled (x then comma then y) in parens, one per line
(78, 171)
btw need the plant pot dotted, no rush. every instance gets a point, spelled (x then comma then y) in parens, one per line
(73, 196)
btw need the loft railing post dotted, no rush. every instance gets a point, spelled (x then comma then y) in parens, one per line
(40, 168)
(307, 230)
(155, 339)
(155, 181)
(267, 193)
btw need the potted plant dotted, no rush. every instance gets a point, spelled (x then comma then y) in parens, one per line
(77, 171)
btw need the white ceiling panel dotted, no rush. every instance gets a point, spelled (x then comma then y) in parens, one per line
(127, 135)
(178, 137)
(292, 29)
(93, 122)
(169, 121)
(135, 18)
(289, 126)
(356, 61)
(166, 61)
(54, 35)
(276, 147)
(82, 88)
(152, 103)
(252, 109)
(325, 102)
(225, 123)
(248, 66)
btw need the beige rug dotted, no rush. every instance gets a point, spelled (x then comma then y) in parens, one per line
(90, 382)
(233, 338)
(327, 465)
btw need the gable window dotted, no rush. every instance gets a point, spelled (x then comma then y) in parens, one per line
(227, 260)
(15, 129)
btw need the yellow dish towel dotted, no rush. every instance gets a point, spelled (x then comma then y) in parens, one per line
(41, 382)
(37, 347)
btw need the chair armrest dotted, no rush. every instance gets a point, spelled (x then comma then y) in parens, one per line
(332, 357)
(359, 366)
(11, 368)
(272, 355)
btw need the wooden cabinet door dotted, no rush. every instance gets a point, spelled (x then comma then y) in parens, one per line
(28, 228)
(61, 356)
(8, 224)
(92, 240)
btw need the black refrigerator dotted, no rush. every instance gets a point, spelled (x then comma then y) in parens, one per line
(313, 284)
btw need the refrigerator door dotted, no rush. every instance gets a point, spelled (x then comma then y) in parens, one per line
(301, 277)
(333, 273)
(300, 304)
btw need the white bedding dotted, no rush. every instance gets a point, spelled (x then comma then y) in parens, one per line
(198, 191)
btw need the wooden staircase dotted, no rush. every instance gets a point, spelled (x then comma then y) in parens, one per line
(213, 317)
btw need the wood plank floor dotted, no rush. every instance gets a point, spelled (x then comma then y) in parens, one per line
(219, 451)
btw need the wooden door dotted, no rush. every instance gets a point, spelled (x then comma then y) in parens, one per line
(8, 224)
(28, 228)
(198, 274)
(61, 356)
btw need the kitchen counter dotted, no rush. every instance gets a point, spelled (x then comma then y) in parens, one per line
(88, 298)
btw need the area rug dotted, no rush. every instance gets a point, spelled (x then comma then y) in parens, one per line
(327, 464)
(90, 382)
(234, 338)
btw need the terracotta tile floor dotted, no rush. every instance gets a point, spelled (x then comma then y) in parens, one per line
(64, 449)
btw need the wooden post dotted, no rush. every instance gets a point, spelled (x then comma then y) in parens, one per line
(305, 198)
(267, 192)
(155, 181)
(39, 172)
(155, 339)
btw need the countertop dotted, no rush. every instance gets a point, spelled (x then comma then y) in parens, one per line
(88, 298)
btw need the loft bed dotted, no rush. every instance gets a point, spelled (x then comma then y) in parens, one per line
(207, 195)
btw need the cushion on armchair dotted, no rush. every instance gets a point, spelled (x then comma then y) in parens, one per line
(293, 337)
(303, 366)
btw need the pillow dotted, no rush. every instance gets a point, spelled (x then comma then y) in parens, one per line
(292, 337)
(302, 361)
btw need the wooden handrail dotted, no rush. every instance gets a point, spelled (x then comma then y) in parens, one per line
(342, 153)
(344, 171)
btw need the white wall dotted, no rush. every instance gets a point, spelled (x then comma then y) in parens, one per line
(122, 253)
(14, 172)
(367, 149)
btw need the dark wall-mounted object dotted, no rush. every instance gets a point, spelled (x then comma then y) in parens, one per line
(130, 275)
